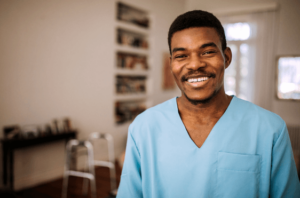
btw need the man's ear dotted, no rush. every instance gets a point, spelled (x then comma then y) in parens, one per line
(228, 56)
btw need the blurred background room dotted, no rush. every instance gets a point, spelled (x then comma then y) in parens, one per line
(70, 68)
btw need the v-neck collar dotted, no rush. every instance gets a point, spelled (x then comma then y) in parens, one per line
(212, 132)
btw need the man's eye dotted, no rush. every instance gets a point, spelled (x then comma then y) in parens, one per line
(180, 56)
(208, 52)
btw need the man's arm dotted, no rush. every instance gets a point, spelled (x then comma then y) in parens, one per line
(284, 178)
(131, 178)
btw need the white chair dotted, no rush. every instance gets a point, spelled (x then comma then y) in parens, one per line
(90, 174)
(109, 164)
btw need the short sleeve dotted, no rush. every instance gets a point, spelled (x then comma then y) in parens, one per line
(131, 179)
(284, 178)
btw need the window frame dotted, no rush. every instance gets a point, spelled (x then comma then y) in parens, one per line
(277, 78)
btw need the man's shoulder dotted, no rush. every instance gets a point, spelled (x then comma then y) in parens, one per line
(155, 116)
(254, 112)
(157, 110)
(255, 109)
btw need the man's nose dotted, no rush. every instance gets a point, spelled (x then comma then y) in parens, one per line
(195, 62)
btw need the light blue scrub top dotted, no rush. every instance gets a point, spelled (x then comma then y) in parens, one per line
(247, 154)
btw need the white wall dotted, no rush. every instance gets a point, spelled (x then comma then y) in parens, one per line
(287, 42)
(57, 60)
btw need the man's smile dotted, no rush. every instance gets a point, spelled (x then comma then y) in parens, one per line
(197, 82)
(194, 80)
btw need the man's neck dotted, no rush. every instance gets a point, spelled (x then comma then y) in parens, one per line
(204, 113)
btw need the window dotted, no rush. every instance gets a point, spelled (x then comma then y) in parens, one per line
(251, 36)
(236, 78)
(288, 81)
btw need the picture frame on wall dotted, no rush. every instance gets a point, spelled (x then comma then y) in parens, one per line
(288, 78)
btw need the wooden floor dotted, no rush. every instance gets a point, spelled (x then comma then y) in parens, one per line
(53, 189)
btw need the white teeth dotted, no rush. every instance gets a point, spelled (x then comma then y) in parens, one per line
(191, 80)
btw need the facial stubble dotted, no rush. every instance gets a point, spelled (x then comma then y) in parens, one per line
(204, 101)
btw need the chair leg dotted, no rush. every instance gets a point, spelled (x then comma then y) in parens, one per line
(91, 168)
(113, 184)
(93, 182)
(65, 186)
(66, 169)
(85, 186)
(93, 188)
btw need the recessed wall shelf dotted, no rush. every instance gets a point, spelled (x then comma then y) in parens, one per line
(132, 29)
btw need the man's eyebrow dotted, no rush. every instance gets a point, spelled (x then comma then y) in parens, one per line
(178, 49)
(211, 44)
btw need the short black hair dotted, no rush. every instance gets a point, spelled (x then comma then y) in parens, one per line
(197, 18)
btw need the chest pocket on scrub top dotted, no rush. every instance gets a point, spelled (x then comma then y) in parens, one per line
(237, 175)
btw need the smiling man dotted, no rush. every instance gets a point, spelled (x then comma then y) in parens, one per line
(206, 143)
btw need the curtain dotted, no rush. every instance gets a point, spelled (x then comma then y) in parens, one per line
(262, 44)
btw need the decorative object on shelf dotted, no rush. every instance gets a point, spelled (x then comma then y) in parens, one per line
(67, 125)
(288, 77)
(131, 84)
(34, 130)
(11, 132)
(168, 79)
(132, 15)
(30, 131)
(128, 110)
(55, 125)
(131, 61)
(48, 130)
(61, 125)
(129, 38)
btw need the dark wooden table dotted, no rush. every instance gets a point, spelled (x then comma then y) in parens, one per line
(9, 145)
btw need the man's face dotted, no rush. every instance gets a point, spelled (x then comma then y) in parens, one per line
(198, 62)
